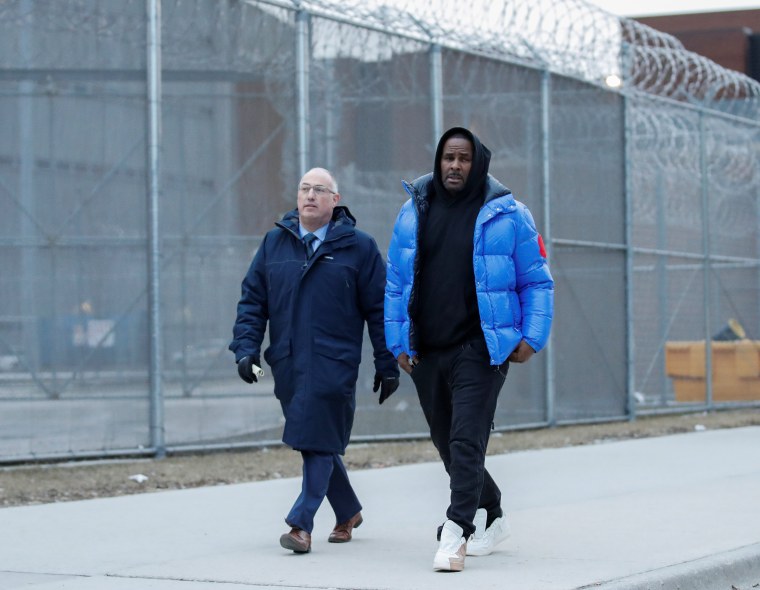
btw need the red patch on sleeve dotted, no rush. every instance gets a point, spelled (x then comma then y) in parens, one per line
(541, 247)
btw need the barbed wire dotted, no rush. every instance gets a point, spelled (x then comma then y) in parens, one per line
(567, 37)
(570, 37)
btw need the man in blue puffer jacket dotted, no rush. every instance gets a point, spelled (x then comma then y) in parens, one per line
(468, 291)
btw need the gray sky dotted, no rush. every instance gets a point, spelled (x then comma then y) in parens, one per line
(654, 7)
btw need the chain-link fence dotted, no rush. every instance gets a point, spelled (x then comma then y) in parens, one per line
(148, 145)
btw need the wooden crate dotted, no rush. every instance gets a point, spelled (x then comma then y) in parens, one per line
(735, 366)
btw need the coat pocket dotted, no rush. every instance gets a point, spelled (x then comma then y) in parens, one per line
(338, 350)
(336, 367)
(279, 357)
(277, 352)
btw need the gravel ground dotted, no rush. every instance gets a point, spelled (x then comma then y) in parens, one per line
(60, 482)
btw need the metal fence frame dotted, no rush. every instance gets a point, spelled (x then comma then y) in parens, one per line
(436, 84)
(707, 259)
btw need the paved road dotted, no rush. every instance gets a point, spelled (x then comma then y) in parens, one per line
(673, 512)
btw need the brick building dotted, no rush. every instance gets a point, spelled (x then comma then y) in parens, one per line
(731, 38)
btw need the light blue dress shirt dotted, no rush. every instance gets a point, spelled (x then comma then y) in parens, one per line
(321, 233)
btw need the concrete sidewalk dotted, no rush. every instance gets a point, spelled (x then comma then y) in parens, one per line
(673, 512)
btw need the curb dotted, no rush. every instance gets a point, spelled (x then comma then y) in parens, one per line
(738, 569)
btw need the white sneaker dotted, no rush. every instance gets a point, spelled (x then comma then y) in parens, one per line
(485, 540)
(481, 517)
(451, 550)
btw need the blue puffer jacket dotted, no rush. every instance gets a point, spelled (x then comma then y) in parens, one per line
(514, 287)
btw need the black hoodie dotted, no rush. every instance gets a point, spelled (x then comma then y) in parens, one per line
(446, 310)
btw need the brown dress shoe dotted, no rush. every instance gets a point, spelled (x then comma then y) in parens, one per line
(342, 531)
(296, 540)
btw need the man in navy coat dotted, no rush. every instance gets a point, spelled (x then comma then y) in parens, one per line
(316, 280)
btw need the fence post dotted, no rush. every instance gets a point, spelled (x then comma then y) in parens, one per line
(303, 49)
(29, 234)
(706, 250)
(546, 80)
(153, 176)
(436, 91)
(630, 341)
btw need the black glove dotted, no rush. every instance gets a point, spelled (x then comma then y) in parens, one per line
(386, 385)
(245, 368)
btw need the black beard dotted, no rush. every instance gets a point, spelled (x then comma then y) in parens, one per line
(455, 191)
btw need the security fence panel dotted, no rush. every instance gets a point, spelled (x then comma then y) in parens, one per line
(587, 174)
(588, 252)
(228, 174)
(668, 310)
(502, 104)
(735, 345)
(73, 360)
(732, 179)
(148, 146)
(665, 179)
(732, 184)
(370, 124)
(589, 333)
(370, 118)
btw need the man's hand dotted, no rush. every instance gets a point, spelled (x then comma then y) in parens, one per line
(522, 353)
(386, 385)
(245, 368)
(406, 363)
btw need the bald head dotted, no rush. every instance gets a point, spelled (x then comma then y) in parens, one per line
(317, 197)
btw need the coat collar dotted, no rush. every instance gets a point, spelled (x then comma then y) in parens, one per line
(419, 191)
(342, 223)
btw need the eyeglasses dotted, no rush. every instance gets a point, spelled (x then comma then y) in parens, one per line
(319, 189)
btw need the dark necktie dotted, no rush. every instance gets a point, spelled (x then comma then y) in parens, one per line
(309, 240)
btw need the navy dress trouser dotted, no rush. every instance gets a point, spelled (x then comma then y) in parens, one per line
(324, 475)
(458, 389)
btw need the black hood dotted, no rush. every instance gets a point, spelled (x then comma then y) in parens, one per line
(341, 215)
(481, 158)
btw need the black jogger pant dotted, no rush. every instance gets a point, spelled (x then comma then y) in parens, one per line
(458, 390)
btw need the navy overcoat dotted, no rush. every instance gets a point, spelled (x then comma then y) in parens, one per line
(316, 310)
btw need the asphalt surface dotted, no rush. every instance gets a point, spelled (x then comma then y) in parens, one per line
(680, 511)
